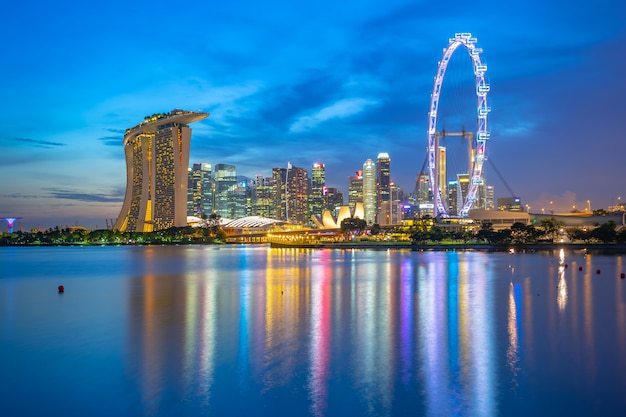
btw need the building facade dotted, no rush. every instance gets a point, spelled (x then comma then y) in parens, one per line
(157, 160)
(383, 194)
(318, 186)
(369, 191)
(355, 190)
(200, 190)
(291, 194)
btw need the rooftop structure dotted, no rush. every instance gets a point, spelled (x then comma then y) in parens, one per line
(157, 157)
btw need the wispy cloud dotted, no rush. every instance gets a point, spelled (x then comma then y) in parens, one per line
(339, 110)
(73, 195)
(111, 140)
(38, 143)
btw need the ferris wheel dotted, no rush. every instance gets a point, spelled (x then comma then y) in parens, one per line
(476, 143)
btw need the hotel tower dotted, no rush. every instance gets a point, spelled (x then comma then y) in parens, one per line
(157, 157)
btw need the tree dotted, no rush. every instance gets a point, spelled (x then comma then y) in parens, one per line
(353, 225)
(420, 229)
(436, 234)
(551, 228)
(605, 233)
(375, 229)
(524, 233)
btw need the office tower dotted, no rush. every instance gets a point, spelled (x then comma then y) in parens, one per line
(443, 175)
(369, 191)
(200, 190)
(453, 197)
(291, 194)
(261, 201)
(423, 192)
(316, 199)
(241, 200)
(225, 183)
(355, 189)
(510, 204)
(333, 199)
(463, 182)
(157, 157)
(396, 196)
(489, 198)
(383, 178)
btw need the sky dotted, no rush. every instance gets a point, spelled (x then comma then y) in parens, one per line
(335, 82)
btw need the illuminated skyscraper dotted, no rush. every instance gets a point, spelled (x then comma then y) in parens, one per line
(317, 202)
(355, 189)
(200, 190)
(291, 194)
(225, 184)
(383, 179)
(262, 202)
(443, 175)
(369, 191)
(157, 157)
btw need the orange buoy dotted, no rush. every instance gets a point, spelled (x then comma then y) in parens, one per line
(61, 288)
(580, 268)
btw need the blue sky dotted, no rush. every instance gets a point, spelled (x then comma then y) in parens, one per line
(334, 82)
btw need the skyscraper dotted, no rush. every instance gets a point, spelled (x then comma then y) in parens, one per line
(383, 164)
(318, 182)
(157, 157)
(355, 189)
(200, 190)
(291, 194)
(225, 184)
(262, 201)
(369, 191)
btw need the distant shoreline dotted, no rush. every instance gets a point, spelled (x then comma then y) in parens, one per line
(607, 248)
(595, 248)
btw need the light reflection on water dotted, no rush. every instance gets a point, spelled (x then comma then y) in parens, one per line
(259, 331)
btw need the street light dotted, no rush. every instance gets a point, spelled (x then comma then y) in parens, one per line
(588, 206)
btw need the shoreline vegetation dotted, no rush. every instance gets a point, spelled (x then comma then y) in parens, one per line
(592, 248)
(423, 234)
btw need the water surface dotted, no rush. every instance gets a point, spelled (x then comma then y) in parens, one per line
(202, 330)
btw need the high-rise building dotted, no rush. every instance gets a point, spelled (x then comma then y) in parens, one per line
(225, 184)
(261, 201)
(291, 194)
(200, 190)
(463, 182)
(355, 190)
(318, 183)
(383, 182)
(489, 197)
(334, 199)
(157, 157)
(369, 191)
(443, 175)
(453, 197)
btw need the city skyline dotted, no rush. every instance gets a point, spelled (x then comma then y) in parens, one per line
(330, 83)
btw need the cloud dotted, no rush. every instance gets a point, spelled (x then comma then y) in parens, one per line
(111, 140)
(38, 143)
(339, 110)
(18, 195)
(73, 195)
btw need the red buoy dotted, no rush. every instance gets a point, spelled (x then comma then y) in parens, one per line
(580, 268)
(597, 271)
(565, 266)
(622, 276)
(61, 289)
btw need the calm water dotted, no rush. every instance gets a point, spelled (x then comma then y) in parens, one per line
(285, 332)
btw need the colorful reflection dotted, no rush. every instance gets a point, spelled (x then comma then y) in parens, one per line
(322, 332)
